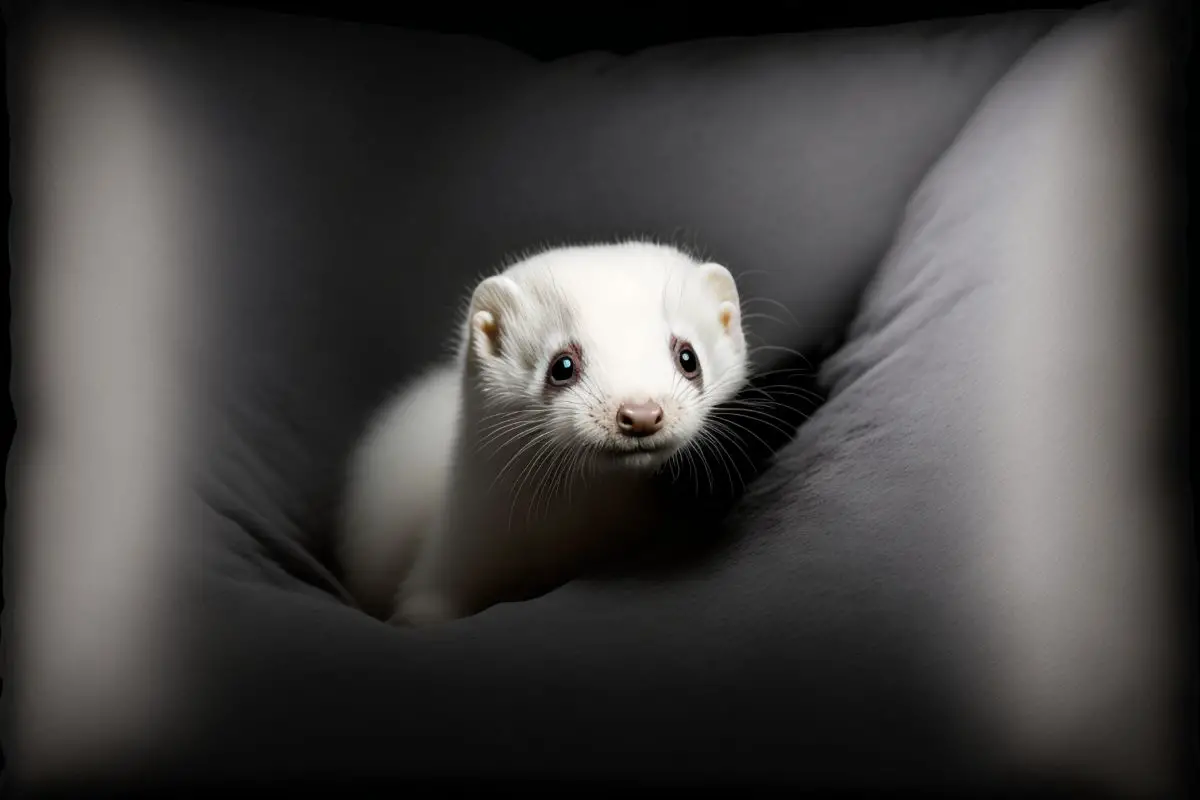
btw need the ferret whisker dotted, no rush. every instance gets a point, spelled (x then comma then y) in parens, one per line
(530, 469)
(754, 416)
(503, 440)
(721, 426)
(753, 315)
(571, 470)
(559, 464)
(542, 477)
(712, 484)
(540, 437)
(516, 418)
(726, 421)
(686, 452)
(781, 306)
(709, 439)
(515, 438)
(768, 402)
(504, 414)
(798, 372)
(779, 348)
(786, 390)
(757, 390)
(514, 428)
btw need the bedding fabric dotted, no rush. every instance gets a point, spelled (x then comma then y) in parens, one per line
(326, 192)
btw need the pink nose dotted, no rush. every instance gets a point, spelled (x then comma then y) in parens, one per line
(640, 419)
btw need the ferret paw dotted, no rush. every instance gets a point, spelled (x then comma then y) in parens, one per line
(422, 611)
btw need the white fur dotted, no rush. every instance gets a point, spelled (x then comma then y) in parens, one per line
(480, 483)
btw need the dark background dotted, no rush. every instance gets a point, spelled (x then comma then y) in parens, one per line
(549, 31)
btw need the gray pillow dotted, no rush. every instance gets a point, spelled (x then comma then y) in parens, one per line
(339, 187)
(799, 646)
(337, 257)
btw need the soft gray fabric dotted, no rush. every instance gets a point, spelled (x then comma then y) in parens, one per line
(337, 259)
(816, 642)
(342, 186)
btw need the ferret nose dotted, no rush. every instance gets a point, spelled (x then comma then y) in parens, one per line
(640, 419)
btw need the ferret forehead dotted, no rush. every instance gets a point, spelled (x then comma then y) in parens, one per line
(606, 292)
(610, 296)
(636, 269)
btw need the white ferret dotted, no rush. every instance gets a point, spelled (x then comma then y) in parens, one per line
(580, 372)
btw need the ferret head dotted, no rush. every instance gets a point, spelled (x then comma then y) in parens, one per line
(616, 352)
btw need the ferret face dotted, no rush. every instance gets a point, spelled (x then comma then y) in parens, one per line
(615, 355)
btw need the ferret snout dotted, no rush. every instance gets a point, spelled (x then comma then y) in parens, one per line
(640, 419)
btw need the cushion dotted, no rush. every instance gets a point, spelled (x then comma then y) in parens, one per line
(324, 194)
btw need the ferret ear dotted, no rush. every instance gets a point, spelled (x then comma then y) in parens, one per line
(720, 282)
(494, 305)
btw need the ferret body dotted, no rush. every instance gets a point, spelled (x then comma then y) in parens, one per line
(579, 373)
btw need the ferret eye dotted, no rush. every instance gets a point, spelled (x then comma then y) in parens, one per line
(563, 369)
(688, 361)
